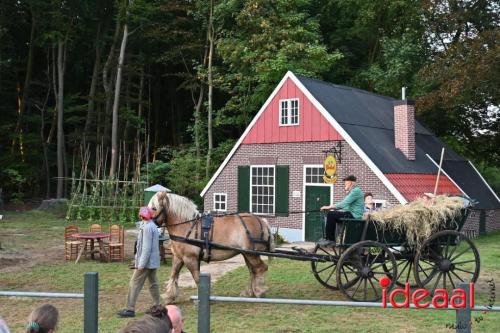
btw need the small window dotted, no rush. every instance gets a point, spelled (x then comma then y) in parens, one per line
(289, 112)
(380, 204)
(314, 175)
(220, 202)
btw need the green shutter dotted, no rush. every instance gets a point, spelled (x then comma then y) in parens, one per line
(282, 190)
(243, 188)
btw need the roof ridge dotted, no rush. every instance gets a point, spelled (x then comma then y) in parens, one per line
(339, 86)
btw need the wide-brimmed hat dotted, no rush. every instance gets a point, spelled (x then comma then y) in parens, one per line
(429, 195)
(146, 213)
(351, 178)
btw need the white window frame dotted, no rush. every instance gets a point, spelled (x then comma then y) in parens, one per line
(274, 188)
(317, 166)
(220, 202)
(380, 201)
(288, 115)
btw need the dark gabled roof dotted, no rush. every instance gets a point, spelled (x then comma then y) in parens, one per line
(468, 179)
(368, 118)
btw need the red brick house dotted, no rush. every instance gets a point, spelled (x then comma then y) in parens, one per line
(276, 167)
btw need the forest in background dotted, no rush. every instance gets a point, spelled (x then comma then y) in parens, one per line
(159, 90)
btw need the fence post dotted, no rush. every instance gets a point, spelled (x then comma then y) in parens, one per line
(464, 318)
(90, 302)
(204, 303)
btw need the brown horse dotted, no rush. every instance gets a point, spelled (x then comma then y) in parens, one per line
(180, 215)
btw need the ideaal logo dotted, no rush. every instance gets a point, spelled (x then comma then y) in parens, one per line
(440, 299)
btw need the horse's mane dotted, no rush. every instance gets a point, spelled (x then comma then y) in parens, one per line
(182, 207)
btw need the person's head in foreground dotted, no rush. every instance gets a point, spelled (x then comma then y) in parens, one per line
(43, 319)
(349, 182)
(155, 321)
(176, 318)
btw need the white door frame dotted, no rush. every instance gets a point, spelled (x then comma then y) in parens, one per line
(304, 186)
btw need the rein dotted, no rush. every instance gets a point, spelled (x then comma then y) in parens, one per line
(231, 214)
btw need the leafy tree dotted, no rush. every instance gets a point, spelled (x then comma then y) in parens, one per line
(258, 42)
(460, 84)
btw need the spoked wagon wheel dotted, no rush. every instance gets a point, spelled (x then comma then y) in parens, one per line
(446, 259)
(360, 269)
(325, 271)
(405, 258)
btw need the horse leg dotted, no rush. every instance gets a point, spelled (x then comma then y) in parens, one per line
(172, 285)
(249, 291)
(193, 265)
(259, 268)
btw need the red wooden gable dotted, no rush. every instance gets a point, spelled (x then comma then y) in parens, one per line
(312, 125)
(412, 186)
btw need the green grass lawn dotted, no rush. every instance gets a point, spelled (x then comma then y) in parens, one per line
(286, 279)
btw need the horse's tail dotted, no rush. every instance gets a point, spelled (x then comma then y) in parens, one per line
(270, 236)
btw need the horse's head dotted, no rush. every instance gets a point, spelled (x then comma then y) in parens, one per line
(158, 203)
(169, 205)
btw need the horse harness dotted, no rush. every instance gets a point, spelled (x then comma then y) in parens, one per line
(204, 240)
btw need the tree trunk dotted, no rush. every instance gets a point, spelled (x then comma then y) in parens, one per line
(197, 120)
(93, 84)
(116, 104)
(107, 81)
(139, 107)
(25, 90)
(124, 135)
(60, 120)
(210, 89)
(45, 144)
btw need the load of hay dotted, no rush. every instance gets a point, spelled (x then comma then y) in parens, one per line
(418, 220)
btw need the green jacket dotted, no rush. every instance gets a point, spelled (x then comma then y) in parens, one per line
(353, 202)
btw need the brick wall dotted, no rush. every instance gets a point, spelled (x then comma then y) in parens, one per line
(404, 128)
(295, 155)
(471, 226)
(492, 220)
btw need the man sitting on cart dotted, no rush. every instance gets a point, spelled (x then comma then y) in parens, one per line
(352, 206)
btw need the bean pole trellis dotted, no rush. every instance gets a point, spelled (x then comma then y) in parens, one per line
(95, 197)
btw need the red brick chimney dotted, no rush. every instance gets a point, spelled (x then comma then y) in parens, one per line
(404, 127)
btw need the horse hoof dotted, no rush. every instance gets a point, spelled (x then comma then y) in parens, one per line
(246, 293)
(262, 295)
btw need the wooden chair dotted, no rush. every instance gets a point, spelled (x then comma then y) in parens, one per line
(93, 228)
(71, 245)
(116, 245)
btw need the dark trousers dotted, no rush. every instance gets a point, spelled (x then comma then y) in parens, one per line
(332, 219)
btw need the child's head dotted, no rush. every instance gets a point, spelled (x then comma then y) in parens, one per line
(145, 213)
(43, 319)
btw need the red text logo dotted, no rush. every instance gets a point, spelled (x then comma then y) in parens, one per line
(441, 298)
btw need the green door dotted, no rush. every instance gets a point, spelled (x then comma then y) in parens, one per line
(316, 197)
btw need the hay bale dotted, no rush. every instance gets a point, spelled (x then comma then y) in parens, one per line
(419, 220)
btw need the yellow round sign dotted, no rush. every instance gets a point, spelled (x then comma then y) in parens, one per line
(330, 180)
(330, 165)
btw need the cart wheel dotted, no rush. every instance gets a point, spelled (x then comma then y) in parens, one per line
(325, 271)
(446, 259)
(405, 258)
(360, 269)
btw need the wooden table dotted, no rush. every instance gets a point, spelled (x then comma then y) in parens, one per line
(92, 237)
